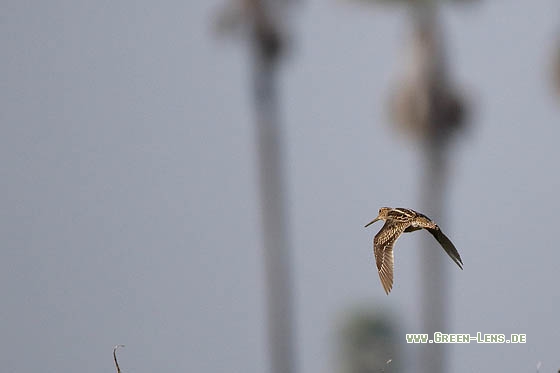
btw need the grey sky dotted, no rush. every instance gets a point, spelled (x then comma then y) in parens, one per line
(129, 200)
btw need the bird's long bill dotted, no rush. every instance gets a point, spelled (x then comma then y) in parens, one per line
(371, 222)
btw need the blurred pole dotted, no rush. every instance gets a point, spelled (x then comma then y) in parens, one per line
(274, 219)
(444, 113)
(556, 68)
(267, 44)
(428, 108)
(265, 22)
(434, 278)
(433, 286)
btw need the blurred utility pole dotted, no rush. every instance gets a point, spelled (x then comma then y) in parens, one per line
(267, 44)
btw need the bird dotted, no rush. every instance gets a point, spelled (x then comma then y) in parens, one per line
(398, 221)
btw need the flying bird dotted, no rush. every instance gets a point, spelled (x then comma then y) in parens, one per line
(399, 221)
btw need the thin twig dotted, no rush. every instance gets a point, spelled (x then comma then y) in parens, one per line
(115, 357)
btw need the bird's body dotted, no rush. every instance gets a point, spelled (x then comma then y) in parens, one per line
(399, 221)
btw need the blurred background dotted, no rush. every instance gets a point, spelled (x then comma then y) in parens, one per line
(139, 204)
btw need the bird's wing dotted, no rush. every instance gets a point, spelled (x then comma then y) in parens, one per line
(383, 251)
(447, 245)
(411, 228)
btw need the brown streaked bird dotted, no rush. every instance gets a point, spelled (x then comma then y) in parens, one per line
(399, 221)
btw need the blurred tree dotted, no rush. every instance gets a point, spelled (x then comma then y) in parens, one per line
(427, 106)
(261, 19)
(368, 343)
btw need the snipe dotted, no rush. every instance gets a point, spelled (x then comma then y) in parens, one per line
(399, 221)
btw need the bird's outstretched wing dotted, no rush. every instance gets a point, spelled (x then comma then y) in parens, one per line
(411, 228)
(383, 251)
(447, 245)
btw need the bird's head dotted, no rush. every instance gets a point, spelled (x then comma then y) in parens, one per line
(383, 213)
